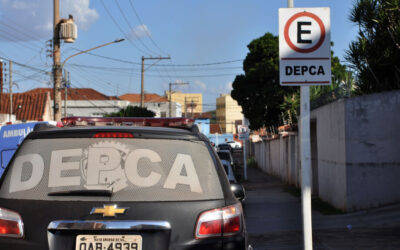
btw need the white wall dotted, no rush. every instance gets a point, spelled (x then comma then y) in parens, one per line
(100, 107)
(279, 157)
(331, 144)
(93, 107)
(373, 150)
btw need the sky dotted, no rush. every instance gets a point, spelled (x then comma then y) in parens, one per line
(206, 40)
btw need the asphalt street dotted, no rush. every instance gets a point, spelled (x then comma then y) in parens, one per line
(273, 220)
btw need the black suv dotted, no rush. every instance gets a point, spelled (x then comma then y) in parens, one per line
(114, 188)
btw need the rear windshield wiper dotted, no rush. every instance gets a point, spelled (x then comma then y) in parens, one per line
(99, 192)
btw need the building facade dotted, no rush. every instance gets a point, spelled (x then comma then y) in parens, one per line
(91, 103)
(158, 104)
(85, 102)
(228, 113)
(191, 102)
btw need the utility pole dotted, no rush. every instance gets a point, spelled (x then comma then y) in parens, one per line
(192, 107)
(10, 90)
(143, 69)
(66, 86)
(57, 73)
(185, 107)
(170, 94)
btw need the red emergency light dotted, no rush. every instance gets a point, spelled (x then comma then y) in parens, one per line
(128, 121)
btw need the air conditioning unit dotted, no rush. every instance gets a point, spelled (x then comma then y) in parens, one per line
(68, 31)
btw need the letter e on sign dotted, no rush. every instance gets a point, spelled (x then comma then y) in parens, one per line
(304, 46)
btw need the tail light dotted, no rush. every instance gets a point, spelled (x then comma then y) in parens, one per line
(11, 224)
(219, 222)
(113, 135)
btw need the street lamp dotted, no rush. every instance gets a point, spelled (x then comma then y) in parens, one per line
(85, 51)
(79, 53)
(170, 94)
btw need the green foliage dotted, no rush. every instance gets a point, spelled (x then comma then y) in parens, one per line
(258, 90)
(264, 102)
(375, 54)
(252, 163)
(340, 75)
(132, 111)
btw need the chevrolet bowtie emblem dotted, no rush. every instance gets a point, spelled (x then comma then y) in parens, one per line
(109, 210)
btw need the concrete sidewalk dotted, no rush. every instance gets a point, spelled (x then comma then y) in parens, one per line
(273, 219)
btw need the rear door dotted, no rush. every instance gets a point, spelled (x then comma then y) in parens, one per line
(104, 193)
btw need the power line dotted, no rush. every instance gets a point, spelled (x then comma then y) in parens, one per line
(141, 22)
(24, 65)
(132, 29)
(150, 37)
(90, 77)
(13, 38)
(162, 65)
(20, 27)
(130, 69)
(120, 29)
(196, 76)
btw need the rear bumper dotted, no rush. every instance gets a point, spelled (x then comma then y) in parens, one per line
(232, 243)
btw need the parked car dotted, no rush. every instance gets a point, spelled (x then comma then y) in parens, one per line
(229, 171)
(226, 155)
(234, 144)
(224, 146)
(133, 188)
(231, 177)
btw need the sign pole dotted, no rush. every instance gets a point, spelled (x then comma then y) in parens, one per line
(244, 159)
(305, 149)
(243, 131)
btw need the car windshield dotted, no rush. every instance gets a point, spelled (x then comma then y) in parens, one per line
(131, 169)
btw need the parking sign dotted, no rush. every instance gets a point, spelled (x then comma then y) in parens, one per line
(304, 46)
(243, 132)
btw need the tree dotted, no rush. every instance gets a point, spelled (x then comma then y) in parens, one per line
(264, 102)
(375, 54)
(340, 74)
(258, 90)
(132, 111)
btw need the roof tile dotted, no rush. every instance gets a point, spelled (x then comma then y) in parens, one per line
(26, 106)
(76, 94)
(148, 97)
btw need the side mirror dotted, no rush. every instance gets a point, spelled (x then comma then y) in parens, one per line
(238, 191)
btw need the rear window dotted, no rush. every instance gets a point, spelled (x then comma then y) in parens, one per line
(133, 169)
(224, 156)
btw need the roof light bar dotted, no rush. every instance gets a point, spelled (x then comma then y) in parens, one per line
(127, 121)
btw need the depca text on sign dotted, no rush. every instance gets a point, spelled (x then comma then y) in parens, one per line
(304, 46)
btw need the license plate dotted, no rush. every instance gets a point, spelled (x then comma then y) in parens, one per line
(108, 242)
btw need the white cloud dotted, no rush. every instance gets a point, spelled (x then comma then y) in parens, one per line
(214, 89)
(22, 5)
(35, 17)
(200, 85)
(228, 87)
(80, 10)
(140, 31)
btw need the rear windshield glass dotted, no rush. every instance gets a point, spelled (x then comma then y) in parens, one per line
(133, 169)
(224, 156)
